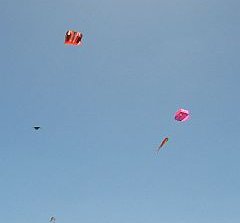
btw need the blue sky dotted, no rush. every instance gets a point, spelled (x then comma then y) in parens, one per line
(104, 107)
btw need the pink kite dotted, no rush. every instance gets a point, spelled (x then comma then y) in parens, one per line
(182, 115)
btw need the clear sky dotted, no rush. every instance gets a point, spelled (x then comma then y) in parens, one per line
(104, 108)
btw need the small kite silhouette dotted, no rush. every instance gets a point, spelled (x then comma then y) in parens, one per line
(52, 219)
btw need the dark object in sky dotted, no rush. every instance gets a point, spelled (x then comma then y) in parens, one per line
(52, 219)
(36, 127)
(162, 144)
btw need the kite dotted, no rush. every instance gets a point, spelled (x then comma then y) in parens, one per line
(73, 38)
(162, 143)
(182, 115)
(52, 219)
(36, 127)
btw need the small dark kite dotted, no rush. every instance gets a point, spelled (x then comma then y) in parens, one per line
(162, 144)
(52, 219)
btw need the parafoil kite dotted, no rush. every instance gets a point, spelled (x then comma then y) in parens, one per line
(36, 127)
(73, 38)
(182, 115)
(162, 143)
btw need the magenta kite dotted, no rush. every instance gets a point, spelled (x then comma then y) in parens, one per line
(182, 115)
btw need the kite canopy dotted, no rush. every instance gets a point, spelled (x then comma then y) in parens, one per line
(36, 127)
(73, 38)
(182, 115)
